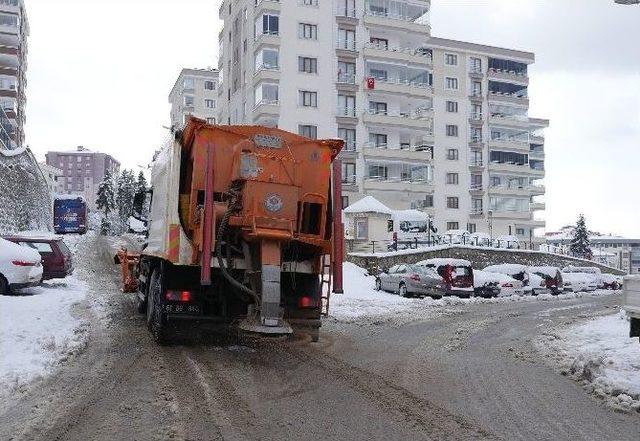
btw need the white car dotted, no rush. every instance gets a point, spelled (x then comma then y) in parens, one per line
(578, 282)
(507, 286)
(538, 285)
(516, 271)
(20, 267)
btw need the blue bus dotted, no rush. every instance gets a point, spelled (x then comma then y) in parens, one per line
(69, 214)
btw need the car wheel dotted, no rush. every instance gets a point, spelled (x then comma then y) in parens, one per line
(4, 286)
(156, 320)
(378, 285)
(402, 290)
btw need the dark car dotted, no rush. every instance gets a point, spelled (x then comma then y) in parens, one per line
(56, 257)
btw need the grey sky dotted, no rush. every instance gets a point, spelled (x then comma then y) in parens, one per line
(100, 72)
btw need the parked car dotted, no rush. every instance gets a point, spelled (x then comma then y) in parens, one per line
(461, 275)
(610, 281)
(517, 272)
(579, 282)
(552, 277)
(20, 267)
(409, 280)
(487, 284)
(56, 257)
(538, 285)
(594, 271)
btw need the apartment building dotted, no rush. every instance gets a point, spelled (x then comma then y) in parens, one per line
(14, 30)
(428, 123)
(82, 171)
(194, 93)
(53, 176)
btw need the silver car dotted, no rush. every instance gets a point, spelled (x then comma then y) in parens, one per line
(409, 280)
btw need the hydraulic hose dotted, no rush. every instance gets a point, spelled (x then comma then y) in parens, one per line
(234, 193)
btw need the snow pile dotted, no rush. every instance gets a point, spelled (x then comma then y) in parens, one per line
(38, 331)
(368, 204)
(136, 225)
(602, 357)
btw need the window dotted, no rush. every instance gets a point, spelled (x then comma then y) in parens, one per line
(452, 179)
(188, 100)
(453, 202)
(348, 173)
(267, 59)
(346, 105)
(378, 140)
(476, 111)
(346, 72)
(451, 59)
(266, 94)
(378, 74)
(452, 106)
(345, 202)
(362, 232)
(519, 231)
(378, 107)
(475, 65)
(452, 130)
(453, 226)
(270, 24)
(452, 154)
(379, 43)
(347, 39)
(307, 31)
(308, 130)
(476, 88)
(476, 206)
(509, 157)
(307, 98)
(211, 120)
(310, 2)
(210, 104)
(451, 83)
(471, 228)
(210, 85)
(308, 65)
(427, 202)
(476, 134)
(188, 83)
(476, 182)
(349, 138)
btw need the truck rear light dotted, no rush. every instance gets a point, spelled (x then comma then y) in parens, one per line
(415, 277)
(23, 263)
(306, 302)
(179, 296)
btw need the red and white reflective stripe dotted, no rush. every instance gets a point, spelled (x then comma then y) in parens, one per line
(23, 263)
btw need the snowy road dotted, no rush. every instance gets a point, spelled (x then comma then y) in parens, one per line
(466, 371)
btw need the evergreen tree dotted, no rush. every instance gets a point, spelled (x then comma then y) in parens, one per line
(125, 194)
(106, 201)
(580, 245)
(140, 195)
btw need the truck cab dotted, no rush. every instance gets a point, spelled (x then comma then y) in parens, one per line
(632, 303)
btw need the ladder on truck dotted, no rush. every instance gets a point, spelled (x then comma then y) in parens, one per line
(325, 283)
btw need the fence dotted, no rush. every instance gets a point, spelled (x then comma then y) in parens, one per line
(384, 246)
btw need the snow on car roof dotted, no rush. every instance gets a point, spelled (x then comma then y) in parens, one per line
(11, 250)
(481, 278)
(442, 261)
(550, 271)
(36, 235)
(506, 268)
(581, 269)
(368, 204)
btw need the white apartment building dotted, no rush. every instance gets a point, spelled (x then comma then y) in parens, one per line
(194, 93)
(53, 176)
(14, 30)
(428, 123)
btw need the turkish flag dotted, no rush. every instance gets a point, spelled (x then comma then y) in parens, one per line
(371, 83)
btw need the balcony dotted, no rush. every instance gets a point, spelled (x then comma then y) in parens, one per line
(509, 167)
(515, 121)
(509, 143)
(398, 184)
(346, 48)
(536, 154)
(418, 120)
(476, 163)
(476, 188)
(346, 15)
(537, 189)
(508, 98)
(266, 6)
(346, 82)
(510, 214)
(537, 206)
(267, 38)
(415, 19)
(476, 119)
(350, 183)
(402, 54)
(476, 142)
(536, 139)
(508, 75)
(267, 108)
(476, 212)
(419, 152)
(347, 115)
(349, 147)
(266, 72)
(476, 96)
(476, 73)
(398, 86)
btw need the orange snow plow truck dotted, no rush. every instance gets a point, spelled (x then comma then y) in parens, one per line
(245, 230)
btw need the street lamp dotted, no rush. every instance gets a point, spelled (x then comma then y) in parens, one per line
(490, 213)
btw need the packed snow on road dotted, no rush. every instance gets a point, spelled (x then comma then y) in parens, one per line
(38, 330)
(601, 356)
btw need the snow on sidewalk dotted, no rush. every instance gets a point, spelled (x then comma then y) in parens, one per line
(38, 330)
(601, 355)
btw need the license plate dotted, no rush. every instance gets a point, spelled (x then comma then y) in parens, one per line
(182, 309)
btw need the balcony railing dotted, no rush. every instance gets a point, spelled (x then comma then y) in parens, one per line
(404, 82)
(476, 163)
(513, 95)
(406, 147)
(475, 70)
(536, 154)
(348, 45)
(405, 50)
(509, 139)
(349, 180)
(476, 187)
(257, 2)
(476, 212)
(510, 72)
(346, 78)
(266, 102)
(349, 146)
(475, 116)
(398, 179)
(475, 94)
(346, 111)
(415, 114)
(520, 118)
(266, 33)
(423, 20)
(475, 139)
(267, 67)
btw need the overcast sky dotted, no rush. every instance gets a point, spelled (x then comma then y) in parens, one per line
(100, 72)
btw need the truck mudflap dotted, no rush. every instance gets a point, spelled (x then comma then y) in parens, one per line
(634, 329)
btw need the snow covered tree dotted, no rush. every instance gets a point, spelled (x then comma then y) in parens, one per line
(580, 245)
(140, 195)
(106, 201)
(125, 194)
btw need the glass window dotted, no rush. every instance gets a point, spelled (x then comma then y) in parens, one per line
(307, 31)
(269, 24)
(452, 106)
(378, 107)
(267, 59)
(452, 202)
(452, 178)
(188, 100)
(451, 83)
(471, 228)
(348, 172)
(188, 83)
(307, 98)
(452, 130)
(345, 202)
(210, 85)
(452, 154)
(362, 229)
(475, 65)
(453, 226)
(346, 72)
(266, 94)
(210, 104)
(211, 120)
(451, 59)
(346, 39)
(349, 138)
(308, 65)
(378, 140)
(380, 43)
(308, 131)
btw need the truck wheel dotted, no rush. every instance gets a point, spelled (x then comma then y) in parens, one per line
(402, 290)
(4, 286)
(156, 320)
(378, 285)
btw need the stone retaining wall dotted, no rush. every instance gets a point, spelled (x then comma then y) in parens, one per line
(479, 258)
